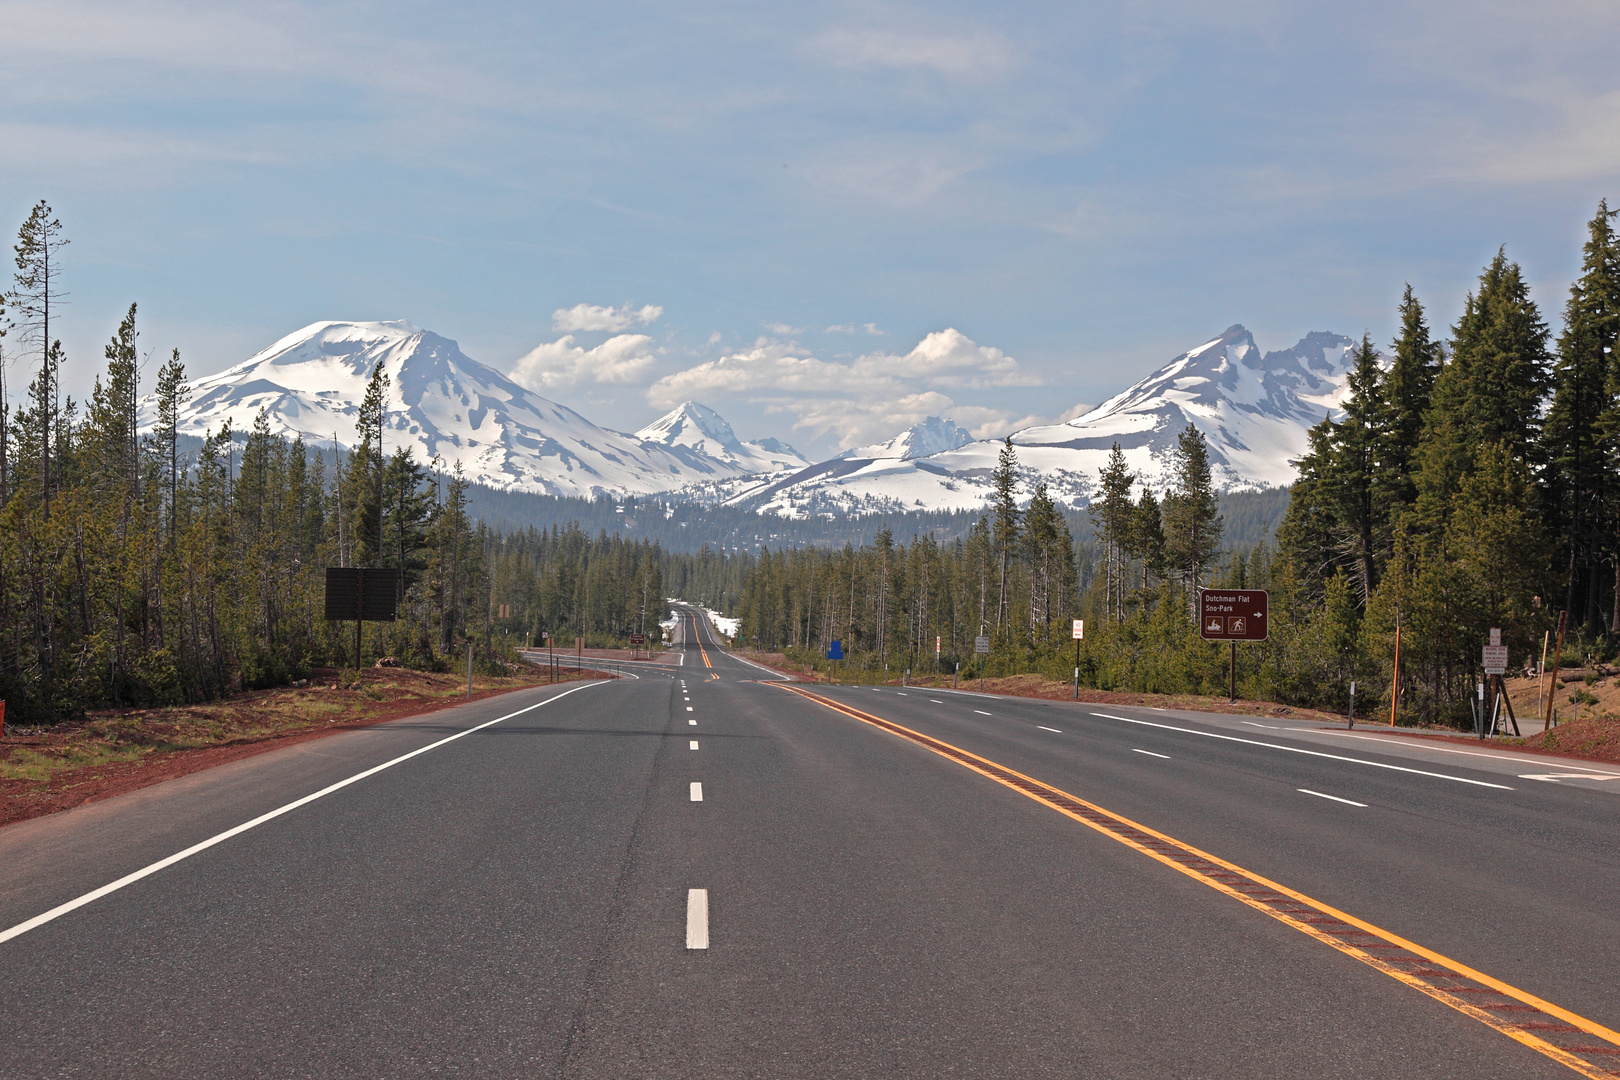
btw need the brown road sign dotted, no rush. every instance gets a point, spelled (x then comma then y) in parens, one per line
(1232, 614)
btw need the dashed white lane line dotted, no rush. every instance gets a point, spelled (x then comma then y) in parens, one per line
(901, 694)
(981, 712)
(162, 864)
(1150, 753)
(1335, 798)
(697, 791)
(1054, 730)
(692, 722)
(697, 918)
(692, 745)
(1268, 727)
(936, 701)
(689, 708)
(1302, 750)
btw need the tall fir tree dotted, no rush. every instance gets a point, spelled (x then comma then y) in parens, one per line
(1192, 521)
(1408, 391)
(1112, 513)
(1581, 426)
(1489, 391)
(35, 294)
(1004, 503)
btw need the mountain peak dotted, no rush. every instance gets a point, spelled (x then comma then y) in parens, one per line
(932, 436)
(440, 403)
(689, 424)
(693, 427)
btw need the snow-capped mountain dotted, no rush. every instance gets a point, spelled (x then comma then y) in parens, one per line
(310, 383)
(932, 436)
(1254, 409)
(695, 426)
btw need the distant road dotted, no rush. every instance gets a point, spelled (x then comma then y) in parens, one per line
(704, 873)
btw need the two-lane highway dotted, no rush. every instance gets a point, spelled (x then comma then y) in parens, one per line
(703, 873)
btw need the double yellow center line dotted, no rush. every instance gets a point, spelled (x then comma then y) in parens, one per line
(1544, 1027)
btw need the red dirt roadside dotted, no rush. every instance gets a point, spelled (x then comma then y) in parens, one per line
(46, 769)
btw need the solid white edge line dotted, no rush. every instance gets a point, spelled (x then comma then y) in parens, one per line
(1335, 798)
(1054, 730)
(762, 667)
(1302, 750)
(1149, 753)
(1438, 749)
(697, 918)
(697, 791)
(218, 838)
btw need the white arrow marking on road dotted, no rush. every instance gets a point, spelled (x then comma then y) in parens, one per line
(1554, 777)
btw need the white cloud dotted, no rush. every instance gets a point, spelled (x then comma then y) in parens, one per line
(872, 328)
(974, 56)
(842, 328)
(859, 400)
(784, 329)
(588, 317)
(620, 359)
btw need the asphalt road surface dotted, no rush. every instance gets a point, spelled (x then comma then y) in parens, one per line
(700, 873)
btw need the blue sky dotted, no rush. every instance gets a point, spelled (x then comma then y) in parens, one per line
(805, 193)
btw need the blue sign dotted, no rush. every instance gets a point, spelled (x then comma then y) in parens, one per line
(836, 652)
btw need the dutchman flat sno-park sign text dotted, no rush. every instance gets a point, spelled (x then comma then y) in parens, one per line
(1232, 614)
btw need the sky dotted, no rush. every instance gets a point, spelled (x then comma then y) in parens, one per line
(826, 221)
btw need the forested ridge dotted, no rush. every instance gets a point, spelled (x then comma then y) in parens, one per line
(132, 572)
(1472, 482)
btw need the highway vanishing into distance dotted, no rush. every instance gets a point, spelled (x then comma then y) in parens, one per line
(710, 871)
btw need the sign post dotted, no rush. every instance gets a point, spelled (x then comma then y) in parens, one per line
(637, 640)
(362, 593)
(981, 645)
(1233, 615)
(1079, 632)
(1494, 659)
(835, 651)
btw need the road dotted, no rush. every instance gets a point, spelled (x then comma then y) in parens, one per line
(881, 882)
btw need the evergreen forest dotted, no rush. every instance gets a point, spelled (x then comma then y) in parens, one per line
(1471, 481)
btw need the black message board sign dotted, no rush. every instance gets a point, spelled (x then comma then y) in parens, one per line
(1232, 614)
(354, 593)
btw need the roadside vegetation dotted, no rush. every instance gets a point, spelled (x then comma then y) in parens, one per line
(1472, 482)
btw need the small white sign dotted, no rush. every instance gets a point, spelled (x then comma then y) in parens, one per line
(1079, 629)
(1496, 635)
(1495, 659)
(981, 644)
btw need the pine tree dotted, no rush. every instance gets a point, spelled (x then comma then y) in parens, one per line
(1113, 515)
(1489, 391)
(1408, 390)
(1583, 415)
(113, 444)
(172, 392)
(365, 471)
(1357, 462)
(1192, 523)
(32, 297)
(1004, 502)
(1147, 535)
